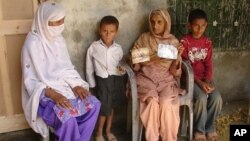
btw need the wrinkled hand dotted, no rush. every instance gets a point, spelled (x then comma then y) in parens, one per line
(80, 92)
(58, 98)
(136, 67)
(180, 49)
(148, 100)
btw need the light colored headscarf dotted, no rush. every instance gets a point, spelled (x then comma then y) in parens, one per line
(151, 40)
(164, 13)
(47, 11)
(166, 35)
(46, 63)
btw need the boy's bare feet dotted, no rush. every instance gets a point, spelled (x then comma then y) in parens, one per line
(213, 136)
(199, 136)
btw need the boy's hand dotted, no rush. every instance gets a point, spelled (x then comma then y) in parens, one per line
(121, 70)
(206, 87)
(128, 93)
(128, 90)
(80, 92)
(209, 87)
(59, 99)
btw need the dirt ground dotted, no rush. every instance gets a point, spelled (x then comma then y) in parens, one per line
(232, 113)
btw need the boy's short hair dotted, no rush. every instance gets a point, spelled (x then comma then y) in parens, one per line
(109, 20)
(196, 14)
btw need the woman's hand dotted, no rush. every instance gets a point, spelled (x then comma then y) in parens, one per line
(180, 49)
(80, 92)
(136, 67)
(59, 99)
(148, 100)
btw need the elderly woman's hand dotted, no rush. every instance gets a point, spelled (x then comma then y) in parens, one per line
(80, 92)
(136, 67)
(180, 49)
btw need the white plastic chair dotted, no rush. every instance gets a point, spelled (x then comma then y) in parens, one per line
(186, 100)
(47, 138)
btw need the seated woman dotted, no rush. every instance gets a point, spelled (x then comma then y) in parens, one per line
(53, 93)
(157, 80)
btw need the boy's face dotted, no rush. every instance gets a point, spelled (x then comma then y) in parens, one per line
(158, 24)
(198, 27)
(107, 33)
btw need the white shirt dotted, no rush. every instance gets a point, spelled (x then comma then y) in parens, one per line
(102, 61)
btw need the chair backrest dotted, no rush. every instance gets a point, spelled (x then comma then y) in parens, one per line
(187, 83)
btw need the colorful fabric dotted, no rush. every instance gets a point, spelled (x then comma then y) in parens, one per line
(199, 53)
(80, 107)
(75, 128)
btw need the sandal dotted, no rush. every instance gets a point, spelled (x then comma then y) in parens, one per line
(213, 136)
(99, 138)
(111, 137)
(199, 136)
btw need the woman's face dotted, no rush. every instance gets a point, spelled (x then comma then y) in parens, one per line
(56, 23)
(158, 24)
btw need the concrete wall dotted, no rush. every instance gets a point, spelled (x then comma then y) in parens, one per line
(83, 16)
(231, 68)
(232, 74)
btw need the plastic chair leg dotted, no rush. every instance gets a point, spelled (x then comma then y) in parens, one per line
(190, 122)
(44, 139)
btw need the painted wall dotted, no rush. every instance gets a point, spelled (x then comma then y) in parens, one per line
(232, 74)
(83, 17)
(231, 68)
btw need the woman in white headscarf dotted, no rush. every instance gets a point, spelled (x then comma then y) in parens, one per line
(53, 93)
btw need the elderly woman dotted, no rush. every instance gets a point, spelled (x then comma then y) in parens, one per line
(157, 85)
(53, 93)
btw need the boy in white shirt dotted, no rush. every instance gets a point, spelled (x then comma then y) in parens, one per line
(103, 73)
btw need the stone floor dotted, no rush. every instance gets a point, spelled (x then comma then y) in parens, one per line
(119, 128)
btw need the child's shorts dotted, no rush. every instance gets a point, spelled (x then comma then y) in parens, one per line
(110, 91)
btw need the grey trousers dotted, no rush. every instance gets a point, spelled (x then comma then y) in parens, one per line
(206, 110)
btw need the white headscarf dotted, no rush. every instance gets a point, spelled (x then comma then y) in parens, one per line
(48, 11)
(46, 63)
